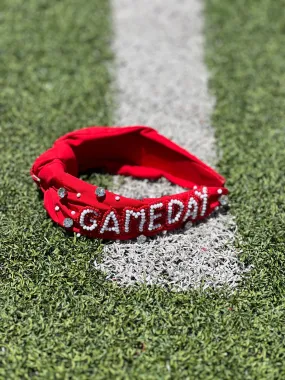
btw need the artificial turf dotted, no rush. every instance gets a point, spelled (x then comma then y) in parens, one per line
(59, 318)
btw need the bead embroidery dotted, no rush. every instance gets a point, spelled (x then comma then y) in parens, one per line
(175, 219)
(154, 216)
(171, 211)
(204, 197)
(93, 222)
(123, 217)
(192, 209)
(130, 220)
(105, 227)
(136, 215)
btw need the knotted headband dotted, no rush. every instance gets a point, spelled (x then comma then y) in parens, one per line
(133, 151)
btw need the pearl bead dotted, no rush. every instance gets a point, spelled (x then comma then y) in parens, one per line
(136, 215)
(36, 178)
(93, 221)
(78, 195)
(72, 212)
(56, 208)
(220, 191)
(153, 216)
(117, 198)
(171, 220)
(204, 197)
(105, 227)
(192, 209)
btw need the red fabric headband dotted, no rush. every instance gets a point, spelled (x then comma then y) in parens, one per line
(134, 151)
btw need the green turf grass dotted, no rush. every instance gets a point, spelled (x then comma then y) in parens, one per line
(246, 53)
(59, 318)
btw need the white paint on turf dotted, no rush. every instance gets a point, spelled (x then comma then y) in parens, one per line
(162, 83)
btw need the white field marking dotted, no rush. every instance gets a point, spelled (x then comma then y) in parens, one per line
(162, 83)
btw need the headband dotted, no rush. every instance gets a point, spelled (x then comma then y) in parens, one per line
(133, 151)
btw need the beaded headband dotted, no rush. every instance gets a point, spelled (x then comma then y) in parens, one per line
(133, 151)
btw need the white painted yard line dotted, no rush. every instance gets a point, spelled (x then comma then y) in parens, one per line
(162, 83)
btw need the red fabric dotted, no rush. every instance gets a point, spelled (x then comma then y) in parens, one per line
(133, 151)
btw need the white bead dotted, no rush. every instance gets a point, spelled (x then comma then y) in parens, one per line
(78, 195)
(93, 221)
(204, 198)
(136, 215)
(171, 220)
(220, 191)
(56, 208)
(117, 198)
(36, 178)
(105, 227)
(153, 217)
(72, 212)
(192, 209)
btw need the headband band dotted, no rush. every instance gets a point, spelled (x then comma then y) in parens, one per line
(133, 151)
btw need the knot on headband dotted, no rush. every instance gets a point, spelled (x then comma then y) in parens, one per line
(132, 151)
